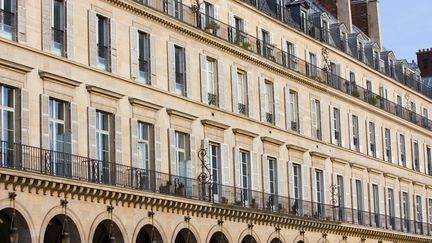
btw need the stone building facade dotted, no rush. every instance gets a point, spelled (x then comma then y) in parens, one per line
(216, 121)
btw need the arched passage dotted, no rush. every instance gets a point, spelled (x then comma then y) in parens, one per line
(276, 240)
(218, 237)
(149, 233)
(248, 239)
(105, 230)
(60, 226)
(185, 236)
(18, 221)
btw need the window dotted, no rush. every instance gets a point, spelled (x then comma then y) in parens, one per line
(145, 132)
(182, 154)
(242, 92)
(341, 196)
(316, 119)
(208, 14)
(387, 145)
(269, 102)
(325, 29)
(297, 188)
(237, 32)
(406, 211)
(360, 198)
(265, 47)
(336, 127)
(215, 167)
(391, 207)
(59, 135)
(103, 43)
(419, 215)
(177, 6)
(303, 20)
(430, 210)
(212, 81)
(402, 155)
(272, 170)
(7, 118)
(399, 105)
(360, 51)
(368, 90)
(290, 61)
(372, 140)
(429, 159)
(180, 70)
(312, 65)
(58, 27)
(376, 60)
(245, 179)
(355, 133)
(425, 118)
(375, 204)
(416, 157)
(144, 57)
(7, 19)
(103, 136)
(413, 113)
(294, 110)
(319, 180)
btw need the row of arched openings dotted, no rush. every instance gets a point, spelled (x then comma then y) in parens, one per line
(106, 229)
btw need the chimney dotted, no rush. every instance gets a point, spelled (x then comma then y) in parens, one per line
(374, 21)
(424, 62)
(344, 13)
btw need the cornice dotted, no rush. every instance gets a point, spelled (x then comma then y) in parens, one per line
(296, 148)
(318, 155)
(27, 182)
(173, 112)
(390, 176)
(17, 67)
(145, 104)
(374, 171)
(218, 125)
(272, 141)
(339, 161)
(357, 166)
(59, 79)
(103, 92)
(238, 131)
(416, 183)
(406, 180)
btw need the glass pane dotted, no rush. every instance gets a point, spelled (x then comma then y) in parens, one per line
(8, 97)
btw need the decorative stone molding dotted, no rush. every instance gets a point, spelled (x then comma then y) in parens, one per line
(218, 125)
(103, 92)
(238, 131)
(272, 141)
(47, 76)
(17, 67)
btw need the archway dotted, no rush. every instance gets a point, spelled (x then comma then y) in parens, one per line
(149, 233)
(218, 237)
(105, 230)
(18, 221)
(185, 236)
(248, 239)
(276, 240)
(61, 224)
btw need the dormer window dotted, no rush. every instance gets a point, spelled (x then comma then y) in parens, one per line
(303, 20)
(360, 51)
(376, 59)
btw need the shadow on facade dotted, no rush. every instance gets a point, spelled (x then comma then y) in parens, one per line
(218, 237)
(149, 233)
(185, 236)
(60, 224)
(105, 230)
(18, 221)
(248, 239)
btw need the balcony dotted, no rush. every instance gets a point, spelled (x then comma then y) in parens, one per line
(58, 164)
(242, 109)
(269, 117)
(212, 99)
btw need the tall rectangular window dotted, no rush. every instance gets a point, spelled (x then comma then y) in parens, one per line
(425, 117)
(303, 20)
(430, 210)
(242, 93)
(355, 133)
(272, 172)
(419, 214)
(337, 127)
(312, 66)
(215, 167)
(58, 27)
(245, 178)
(391, 207)
(340, 196)
(406, 211)
(236, 32)
(360, 198)
(416, 157)
(8, 19)
(290, 59)
(372, 140)
(319, 180)
(266, 49)
(180, 70)
(145, 146)
(399, 105)
(103, 43)
(144, 57)
(429, 160)
(387, 145)
(269, 102)
(208, 15)
(294, 111)
(316, 119)
(7, 118)
(103, 136)
(182, 154)
(212, 81)
(402, 153)
(297, 189)
(59, 136)
(375, 204)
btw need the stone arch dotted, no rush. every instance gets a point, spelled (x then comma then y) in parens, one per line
(276, 235)
(104, 216)
(246, 232)
(218, 228)
(58, 210)
(301, 238)
(148, 221)
(5, 204)
(184, 225)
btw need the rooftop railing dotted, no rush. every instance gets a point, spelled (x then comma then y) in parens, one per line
(193, 17)
(64, 165)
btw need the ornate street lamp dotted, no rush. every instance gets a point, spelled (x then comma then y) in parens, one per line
(13, 230)
(111, 237)
(64, 236)
(187, 220)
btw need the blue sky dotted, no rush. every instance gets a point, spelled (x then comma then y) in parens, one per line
(406, 26)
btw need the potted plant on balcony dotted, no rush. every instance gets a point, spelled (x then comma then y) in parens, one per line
(355, 93)
(213, 26)
(373, 100)
(318, 78)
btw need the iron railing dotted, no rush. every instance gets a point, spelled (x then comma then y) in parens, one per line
(47, 162)
(212, 99)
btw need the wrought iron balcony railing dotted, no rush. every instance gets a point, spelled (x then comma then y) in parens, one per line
(212, 99)
(51, 163)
